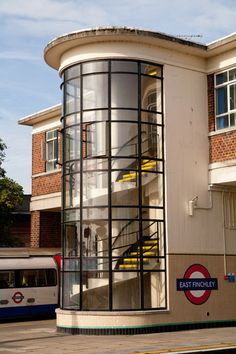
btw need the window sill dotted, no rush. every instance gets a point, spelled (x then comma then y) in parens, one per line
(58, 170)
(222, 131)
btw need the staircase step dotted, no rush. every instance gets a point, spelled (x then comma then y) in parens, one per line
(135, 260)
(146, 253)
(128, 266)
(148, 247)
(150, 242)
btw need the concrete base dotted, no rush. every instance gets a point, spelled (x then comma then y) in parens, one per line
(123, 323)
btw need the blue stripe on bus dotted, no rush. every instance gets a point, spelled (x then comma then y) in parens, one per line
(23, 311)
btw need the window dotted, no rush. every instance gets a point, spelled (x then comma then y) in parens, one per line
(51, 150)
(225, 99)
(37, 278)
(7, 279)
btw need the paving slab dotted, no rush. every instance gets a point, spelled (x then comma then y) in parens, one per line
(41, 337)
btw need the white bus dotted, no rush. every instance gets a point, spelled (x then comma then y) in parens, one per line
(29, 282)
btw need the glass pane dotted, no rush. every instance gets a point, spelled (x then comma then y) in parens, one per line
(125, 213)
(71, 215)
(95, 66)
(95, 290)
(154, 294)
(95, 188)
(95, 139)
(221, 100)
(149, 230)
(51, 165)
(233, 120)
(95, 91)
(95, 164)
(152, 70)
(232, 74)
(151, 140)
(151, 94)
(151, 117)
(151, 165)
(125, 238)
(232, 98)
(221, 78)
(72, 239)
(93, 116)
(72, 166)
(124, 188)
(50, 151)
(72, 191)
(153, 213)
(95, 214)
(126, 164)
(95, 238)
(222, 122)
(126, 290)
(152, 187)
(7, 279)
(51, 134)
(124, 90)
(126, 66)
(72, 143)
(73, 71)
(124, 114)
(71, 290)
(71, 264)
(72, 96)
(72, 119)
(124, 139)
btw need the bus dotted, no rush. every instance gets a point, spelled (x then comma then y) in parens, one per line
(29, 282)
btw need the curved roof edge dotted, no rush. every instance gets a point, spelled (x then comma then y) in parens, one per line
(54, 49)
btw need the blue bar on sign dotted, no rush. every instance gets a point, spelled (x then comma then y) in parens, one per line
(196, 284)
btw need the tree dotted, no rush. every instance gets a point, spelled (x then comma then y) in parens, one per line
(11, 195)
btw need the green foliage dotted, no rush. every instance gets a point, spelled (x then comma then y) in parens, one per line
(11, 195)
(2, 156)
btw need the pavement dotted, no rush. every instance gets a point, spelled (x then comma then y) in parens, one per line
(41, 337)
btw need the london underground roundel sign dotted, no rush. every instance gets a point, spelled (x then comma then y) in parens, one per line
(17, 297)
(197, 284)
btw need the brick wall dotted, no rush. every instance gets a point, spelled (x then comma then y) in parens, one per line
(45, 229)
(222, 147)
(38, 165)
(50, 231)
(20, 229)
(211, 103)
(47, 184)
(35, 229)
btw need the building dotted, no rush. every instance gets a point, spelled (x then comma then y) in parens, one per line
(20, 228)
(148, 168)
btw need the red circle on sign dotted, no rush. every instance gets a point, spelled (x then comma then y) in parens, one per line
(18, 297)
(197, 300)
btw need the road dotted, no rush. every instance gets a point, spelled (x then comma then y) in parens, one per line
(40, 337)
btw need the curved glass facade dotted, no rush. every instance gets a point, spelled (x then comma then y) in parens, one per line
(113, 187)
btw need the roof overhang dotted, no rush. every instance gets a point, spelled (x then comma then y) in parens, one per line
(57, 47)
(45, 114)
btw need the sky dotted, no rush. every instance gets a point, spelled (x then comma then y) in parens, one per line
(28, 85)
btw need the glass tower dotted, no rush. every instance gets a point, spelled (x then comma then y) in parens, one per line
(113, 187)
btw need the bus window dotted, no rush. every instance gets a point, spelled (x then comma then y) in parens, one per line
(7, 279)
(38, 278)
(51, 277)
(27, 278)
